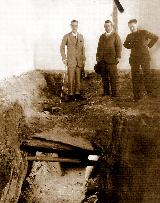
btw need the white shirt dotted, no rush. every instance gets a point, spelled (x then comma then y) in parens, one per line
(74, 34)
(108, 33)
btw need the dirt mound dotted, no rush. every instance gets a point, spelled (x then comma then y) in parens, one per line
(31, 90)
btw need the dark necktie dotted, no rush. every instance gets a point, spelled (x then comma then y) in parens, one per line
(75, 39)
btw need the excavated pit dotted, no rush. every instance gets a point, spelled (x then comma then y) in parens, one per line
(124, 133)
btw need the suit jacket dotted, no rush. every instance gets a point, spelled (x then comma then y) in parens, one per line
(109, 48)
(75, 50)
(139, 42)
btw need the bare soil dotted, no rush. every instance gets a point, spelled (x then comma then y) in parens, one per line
(125, 132)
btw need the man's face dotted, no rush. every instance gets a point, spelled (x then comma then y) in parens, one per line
(108, 27)
(74, 27)
(133, 27)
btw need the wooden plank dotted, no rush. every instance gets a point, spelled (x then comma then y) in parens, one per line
(115, 16)
(50, 146)
(64, 136)
(46, 145)
(52, 159)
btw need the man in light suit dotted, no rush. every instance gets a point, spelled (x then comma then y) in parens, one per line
(74, 60)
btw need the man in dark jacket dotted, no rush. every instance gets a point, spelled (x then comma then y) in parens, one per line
(109, 53)
(139, 41)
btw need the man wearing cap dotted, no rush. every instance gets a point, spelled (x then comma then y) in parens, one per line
(139, 41)
(74, 60)
(108, 54)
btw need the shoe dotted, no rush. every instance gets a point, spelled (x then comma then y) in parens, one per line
(105, 94)
(71, 98)
(68, 98)
(137, 99)
(114, 95)
(79, 97)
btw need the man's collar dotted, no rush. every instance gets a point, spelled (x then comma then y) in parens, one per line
(108, 33)
(136, 31)
(75, 34)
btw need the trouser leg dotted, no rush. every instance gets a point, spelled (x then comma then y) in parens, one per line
(147, 76)
(113, 74)
(105, 79)
(78, 80)
(136, 80)
(71, 79)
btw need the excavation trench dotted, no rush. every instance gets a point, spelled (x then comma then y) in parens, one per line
(125, 137)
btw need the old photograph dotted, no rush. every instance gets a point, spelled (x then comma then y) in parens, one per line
(80, 101)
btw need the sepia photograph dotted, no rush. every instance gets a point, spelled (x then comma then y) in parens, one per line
(80, 101)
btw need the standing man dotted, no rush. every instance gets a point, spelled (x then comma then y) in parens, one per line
(74, 60)
(109, 53)
(139, 41)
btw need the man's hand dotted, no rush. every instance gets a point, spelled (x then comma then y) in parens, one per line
(117, 60)
(97, 59)
(65, 62)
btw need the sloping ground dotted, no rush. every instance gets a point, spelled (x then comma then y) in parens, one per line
(125, 132)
